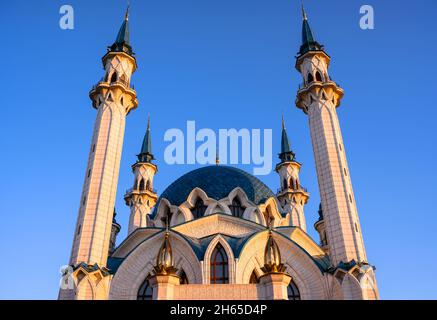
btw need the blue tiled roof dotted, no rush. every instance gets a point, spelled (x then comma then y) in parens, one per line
(217, 182)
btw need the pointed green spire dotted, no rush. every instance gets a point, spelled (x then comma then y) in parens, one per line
(286, 153)
(122, 42)
(146, 149)
(308, 42)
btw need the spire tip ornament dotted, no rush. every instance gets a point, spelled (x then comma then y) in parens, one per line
(164, 260)
(304, 14)
(272, 256)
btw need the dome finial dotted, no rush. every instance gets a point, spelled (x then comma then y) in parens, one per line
(217, 158)
(272, 256)
(164, 260)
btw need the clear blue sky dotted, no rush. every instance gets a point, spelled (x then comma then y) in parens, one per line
(224, 64)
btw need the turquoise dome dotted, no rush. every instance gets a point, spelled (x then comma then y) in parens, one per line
(217, 182)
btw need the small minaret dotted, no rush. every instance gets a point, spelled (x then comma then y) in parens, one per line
(113, 98)
(319, 97)
(291, 195)
(115, 230)
(142, 197)
(321, 230)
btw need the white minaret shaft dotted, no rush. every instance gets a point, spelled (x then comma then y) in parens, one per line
(319, 97)
(113, 98)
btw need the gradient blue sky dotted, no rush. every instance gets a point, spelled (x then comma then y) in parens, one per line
(224, 64)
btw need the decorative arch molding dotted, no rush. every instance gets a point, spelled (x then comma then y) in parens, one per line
(255, 215)
(194, 195)
(274, 210)
(181, 216)
(207, 259)
(163, 205)
(212, 208)
(138, 264)
(300, 265)
(90, 285)
(241, 195)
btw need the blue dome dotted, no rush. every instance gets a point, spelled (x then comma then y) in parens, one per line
(217, 182)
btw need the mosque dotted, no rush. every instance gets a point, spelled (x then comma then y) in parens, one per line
(218, 232)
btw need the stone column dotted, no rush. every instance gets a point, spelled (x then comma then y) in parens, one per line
(163, 286)
(275, 286)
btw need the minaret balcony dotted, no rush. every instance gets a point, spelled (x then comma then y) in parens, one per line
(321, 84)
(123, 84)
(133, 194)
(120, 86)
(330, 87)
(144, 191)
(300, 189)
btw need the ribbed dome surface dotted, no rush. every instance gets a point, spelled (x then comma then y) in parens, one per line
(217, 182)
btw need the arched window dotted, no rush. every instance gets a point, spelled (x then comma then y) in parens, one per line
(236, 208)
(292, 186)
(166, 217)
(310, 78)
(148, 186)
(114, 77)
(199, 209)
(145, 292)
(253, 278)
(219, 265)
(293, 292)
(268, 216)
(141, 186)
(183, 277)
(285, 184)
(318, 76)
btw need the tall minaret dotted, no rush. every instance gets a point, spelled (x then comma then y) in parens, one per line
(319, 97)
(291, 195)
(114, 98)
(142, 197)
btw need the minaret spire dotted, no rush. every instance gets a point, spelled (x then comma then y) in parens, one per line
(286, 153)
(146, 148)
(126, 15)
(122, 42)
(308, 42)
(304, 14)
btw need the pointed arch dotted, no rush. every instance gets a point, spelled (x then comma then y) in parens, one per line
(310, 78)
(318, 76)
(253, 277)
(199, 208)
(255, 215)
(226, 248)
(293, 292)
(161, 211)
(219, 266)
(145, 292)
(141, 185)
(271, 211)
(114, 77)
(237, 208)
